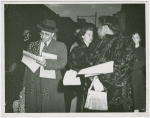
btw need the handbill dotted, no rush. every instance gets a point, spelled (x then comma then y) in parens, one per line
(47, 73)
(71, 79)
(30, 59)
(98, 69)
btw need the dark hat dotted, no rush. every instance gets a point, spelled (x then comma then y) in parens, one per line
(48, 25)
(111, 21)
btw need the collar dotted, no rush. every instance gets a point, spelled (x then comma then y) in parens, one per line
(87, 45)
(48, 42)
(137, 45)
(82, 44)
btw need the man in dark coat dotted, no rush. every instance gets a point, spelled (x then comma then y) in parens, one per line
(44, 94)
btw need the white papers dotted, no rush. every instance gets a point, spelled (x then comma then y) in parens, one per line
(47, 73)
(49, 56)
(91, 74)
(101, 69)
(30, 60)
(31, 63)
(71, 79)
(32, 56)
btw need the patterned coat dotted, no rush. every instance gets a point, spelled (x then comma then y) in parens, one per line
(117, 48)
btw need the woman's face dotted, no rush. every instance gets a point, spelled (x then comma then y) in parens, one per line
(136, 38)
(88, 36)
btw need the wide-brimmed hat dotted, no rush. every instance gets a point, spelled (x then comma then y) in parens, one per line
(48, 25)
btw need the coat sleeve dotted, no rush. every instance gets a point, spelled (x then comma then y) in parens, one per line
(74, 58)
(61, 60)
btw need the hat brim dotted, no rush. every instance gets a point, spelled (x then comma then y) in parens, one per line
(45, 29)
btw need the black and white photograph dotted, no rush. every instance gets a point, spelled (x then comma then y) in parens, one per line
(75, 57)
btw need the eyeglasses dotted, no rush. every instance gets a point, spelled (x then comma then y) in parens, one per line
(46, 34)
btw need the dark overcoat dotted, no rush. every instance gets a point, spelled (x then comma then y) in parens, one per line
(45, 94)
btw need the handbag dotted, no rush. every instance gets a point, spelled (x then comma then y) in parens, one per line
(96, 100)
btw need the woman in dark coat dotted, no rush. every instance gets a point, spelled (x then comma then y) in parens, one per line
(138, 76)
(77, 55)
(113, 45)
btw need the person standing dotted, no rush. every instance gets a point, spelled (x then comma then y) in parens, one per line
(26, 38)
(75, 60)
(113, 45)
(44, 94)
(138, 76)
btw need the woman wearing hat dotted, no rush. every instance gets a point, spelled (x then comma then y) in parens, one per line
(44, 94)
(115, 46)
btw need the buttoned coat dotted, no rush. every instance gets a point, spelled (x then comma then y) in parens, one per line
(45, 94)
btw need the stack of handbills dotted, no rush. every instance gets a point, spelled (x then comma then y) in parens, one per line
(70, 77)
(98, 69)
(30, 59)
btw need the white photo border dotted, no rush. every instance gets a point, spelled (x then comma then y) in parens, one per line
(3, 114)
